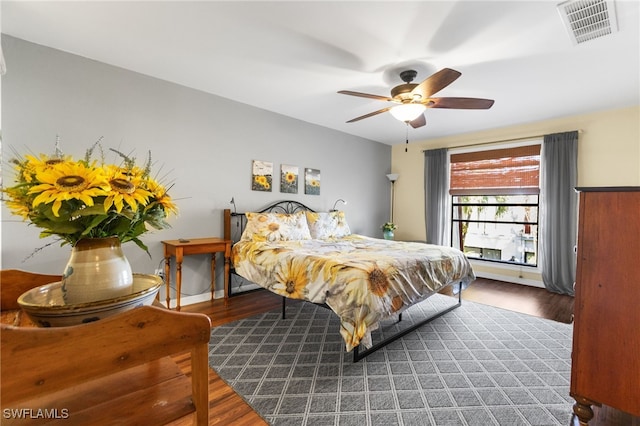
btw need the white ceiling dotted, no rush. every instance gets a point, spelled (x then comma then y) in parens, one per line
(291, 57)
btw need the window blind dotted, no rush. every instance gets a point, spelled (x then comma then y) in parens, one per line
(495, 172)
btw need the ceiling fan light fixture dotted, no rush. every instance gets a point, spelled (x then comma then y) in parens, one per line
(413, 99)
(407, 112)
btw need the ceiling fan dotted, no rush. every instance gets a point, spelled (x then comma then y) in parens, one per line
(412, 99)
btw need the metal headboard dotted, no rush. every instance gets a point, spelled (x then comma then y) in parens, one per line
(234, 224)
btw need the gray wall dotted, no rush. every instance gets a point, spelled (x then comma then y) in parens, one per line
(204, 143)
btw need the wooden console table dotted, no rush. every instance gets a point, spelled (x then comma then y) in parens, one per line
(184, 247)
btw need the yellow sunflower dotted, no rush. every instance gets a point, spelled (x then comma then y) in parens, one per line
(34, 165)
(124, 190)
(292, 278)
(261, 217)
(289, 177)
(159, 192)
(364, 279)
(132, 172)
(81, 199)
(272, 231)
(378, 281)
(69, 181)
(18, 202)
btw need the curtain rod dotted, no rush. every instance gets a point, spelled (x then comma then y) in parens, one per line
(503, 140)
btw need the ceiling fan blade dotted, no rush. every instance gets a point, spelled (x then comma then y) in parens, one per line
(371, 114)
(366, 95)
(436, 82)
(460, 103)
(418, 122)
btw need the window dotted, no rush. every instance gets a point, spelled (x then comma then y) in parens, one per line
(495, 203)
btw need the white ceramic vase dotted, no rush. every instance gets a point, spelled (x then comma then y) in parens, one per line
(97, 270)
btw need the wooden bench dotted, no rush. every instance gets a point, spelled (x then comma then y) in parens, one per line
(114, 371)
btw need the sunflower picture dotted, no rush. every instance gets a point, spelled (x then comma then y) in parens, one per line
(312, 181)
(289, 179)
(261, 176)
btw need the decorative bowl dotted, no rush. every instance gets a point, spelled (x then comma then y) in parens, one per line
(46, 308)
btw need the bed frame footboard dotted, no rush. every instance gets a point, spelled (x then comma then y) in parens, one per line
(360, 354)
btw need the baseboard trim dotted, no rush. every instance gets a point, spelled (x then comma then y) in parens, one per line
(205, 297)
(510, 279)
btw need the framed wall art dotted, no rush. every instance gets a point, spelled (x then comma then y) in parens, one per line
(312, 181)
(261, 176)
(288, 179)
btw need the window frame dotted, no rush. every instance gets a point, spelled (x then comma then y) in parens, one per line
(456, 223)
(460, 221)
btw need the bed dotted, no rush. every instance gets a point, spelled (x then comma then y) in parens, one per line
(293, 251)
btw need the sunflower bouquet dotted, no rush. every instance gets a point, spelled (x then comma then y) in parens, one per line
(86, 198)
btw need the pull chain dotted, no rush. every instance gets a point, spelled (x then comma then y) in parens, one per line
(406, 145)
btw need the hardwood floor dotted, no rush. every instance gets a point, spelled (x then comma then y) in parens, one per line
(228, 408)
(520, 298)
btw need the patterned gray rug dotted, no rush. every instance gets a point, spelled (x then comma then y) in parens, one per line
(476, 365)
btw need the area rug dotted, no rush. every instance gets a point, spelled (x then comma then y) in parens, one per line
(476, 365)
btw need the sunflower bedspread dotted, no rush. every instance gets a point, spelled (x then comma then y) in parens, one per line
(363, 280)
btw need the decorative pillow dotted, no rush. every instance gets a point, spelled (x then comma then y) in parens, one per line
(325, 225)
(276, 227)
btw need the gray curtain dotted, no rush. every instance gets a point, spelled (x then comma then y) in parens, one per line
(559, 211)
(436, 178)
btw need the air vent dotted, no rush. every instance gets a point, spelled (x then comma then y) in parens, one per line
(588, 19)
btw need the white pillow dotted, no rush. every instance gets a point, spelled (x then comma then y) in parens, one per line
(323, 225)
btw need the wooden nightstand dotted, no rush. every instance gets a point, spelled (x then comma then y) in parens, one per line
(185, 247)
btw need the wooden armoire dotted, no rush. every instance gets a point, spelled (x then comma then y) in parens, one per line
(606, 336)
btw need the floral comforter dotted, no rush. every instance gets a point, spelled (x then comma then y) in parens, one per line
(363, 280)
